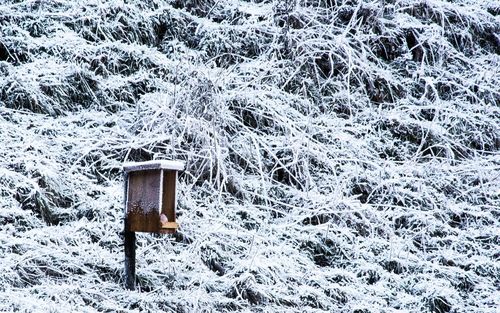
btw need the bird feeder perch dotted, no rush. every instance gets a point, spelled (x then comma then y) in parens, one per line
(150, 203)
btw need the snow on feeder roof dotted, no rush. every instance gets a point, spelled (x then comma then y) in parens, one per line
(153, 165)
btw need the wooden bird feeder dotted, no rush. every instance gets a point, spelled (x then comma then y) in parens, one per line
(151, 196)
(150, 202)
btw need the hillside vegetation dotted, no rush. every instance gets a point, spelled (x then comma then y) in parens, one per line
(341, 155)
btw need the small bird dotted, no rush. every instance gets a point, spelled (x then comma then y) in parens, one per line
(163, 219)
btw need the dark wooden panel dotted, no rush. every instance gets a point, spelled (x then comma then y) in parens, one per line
(143, 212)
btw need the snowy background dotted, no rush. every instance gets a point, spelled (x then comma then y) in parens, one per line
(341, 156)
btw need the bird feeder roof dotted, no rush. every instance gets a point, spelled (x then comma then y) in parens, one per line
(153, 165)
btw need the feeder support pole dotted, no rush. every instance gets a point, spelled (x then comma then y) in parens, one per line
(130, 260)
(129, 245)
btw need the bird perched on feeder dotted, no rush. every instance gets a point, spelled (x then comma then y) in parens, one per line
(166, 226)
(163, 219)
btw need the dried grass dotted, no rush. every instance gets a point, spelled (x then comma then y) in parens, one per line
(341, 155)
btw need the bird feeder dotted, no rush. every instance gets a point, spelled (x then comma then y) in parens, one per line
(150, 201)
(151, 196)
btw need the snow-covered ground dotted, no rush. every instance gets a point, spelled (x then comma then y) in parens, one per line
(341, 155)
